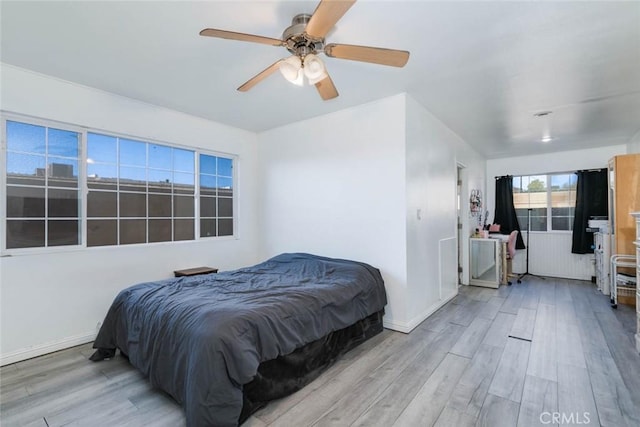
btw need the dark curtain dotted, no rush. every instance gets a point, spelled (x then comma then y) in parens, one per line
(505, 213)
(591, 200)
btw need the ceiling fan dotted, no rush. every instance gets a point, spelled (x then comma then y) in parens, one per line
(305, 40)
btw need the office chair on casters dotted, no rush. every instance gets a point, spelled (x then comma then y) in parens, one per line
(511, 253)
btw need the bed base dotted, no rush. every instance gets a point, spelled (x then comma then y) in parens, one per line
(287, 374)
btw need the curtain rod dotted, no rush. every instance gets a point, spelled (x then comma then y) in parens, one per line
(592, 170)
(554, 173)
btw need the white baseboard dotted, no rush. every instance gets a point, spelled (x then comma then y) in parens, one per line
(413, 323)
(39, 350)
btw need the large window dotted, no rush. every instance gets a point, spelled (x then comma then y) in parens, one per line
(139, 192)
(551, 199)
(42, 191)
(136, 191)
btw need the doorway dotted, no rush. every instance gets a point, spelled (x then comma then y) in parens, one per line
(460, 209)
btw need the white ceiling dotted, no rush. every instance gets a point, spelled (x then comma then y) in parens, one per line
(483, 68)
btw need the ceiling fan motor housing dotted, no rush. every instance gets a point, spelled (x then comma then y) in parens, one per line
(297, 41)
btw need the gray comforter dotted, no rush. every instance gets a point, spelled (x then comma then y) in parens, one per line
(201, 338)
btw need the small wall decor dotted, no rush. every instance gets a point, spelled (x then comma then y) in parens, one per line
(475, 201)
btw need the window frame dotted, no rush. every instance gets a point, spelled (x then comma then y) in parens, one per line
(548, 207)
(84, 189)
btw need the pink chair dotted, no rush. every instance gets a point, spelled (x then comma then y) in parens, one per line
(511, 253)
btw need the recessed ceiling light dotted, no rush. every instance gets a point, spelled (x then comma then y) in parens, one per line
(546, 139)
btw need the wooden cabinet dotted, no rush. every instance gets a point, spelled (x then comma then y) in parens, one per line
(624, 198)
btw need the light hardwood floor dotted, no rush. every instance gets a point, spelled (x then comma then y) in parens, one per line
(530, 354)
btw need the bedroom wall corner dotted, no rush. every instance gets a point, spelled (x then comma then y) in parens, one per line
(339, 191)
(432, 156)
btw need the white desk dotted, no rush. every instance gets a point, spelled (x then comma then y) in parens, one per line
(488, 260)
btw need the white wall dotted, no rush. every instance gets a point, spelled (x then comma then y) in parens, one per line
(433, 152)
(54, 300)
(550, 253)
(334, 186)
(350, 184)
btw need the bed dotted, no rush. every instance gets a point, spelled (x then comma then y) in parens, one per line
(222, 345)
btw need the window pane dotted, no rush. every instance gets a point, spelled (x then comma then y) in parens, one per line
(102, 176)
(225, 167)
(63, 203)
(133, 231)
(102, 204)
(568, 212)
(133, 205)
(25, 234)
(225, 187)
(25, 202)
(517, 184)
(63, 233)
(159, 181)
(159, 156)
(183, 160)
(63, 143)
(159, 230)
(225, 207)
(539, 223)
(208, 207)
(26, 137)
(208, 164)
(133, 153)
(183, 229)
(101, 148)
(25, 169)
(208, 228)
(133, 179)
(538, 219)
(183, 183)
(62, 172)
(159, 205)
(102, 232)
(207, 185)
(562, 223)
(535, 183)
(183, 206)
(225, 227)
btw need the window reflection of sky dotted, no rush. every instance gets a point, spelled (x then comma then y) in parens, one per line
(25, 137)
(139, 161)
(27, 147)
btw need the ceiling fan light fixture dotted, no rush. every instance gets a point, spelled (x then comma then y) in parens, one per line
(314, 69)
(291, 69)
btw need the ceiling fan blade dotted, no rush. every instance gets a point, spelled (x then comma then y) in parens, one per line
(326, 15)
(327, 89)
(375, 55)
(231, 35)
(260, 76)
